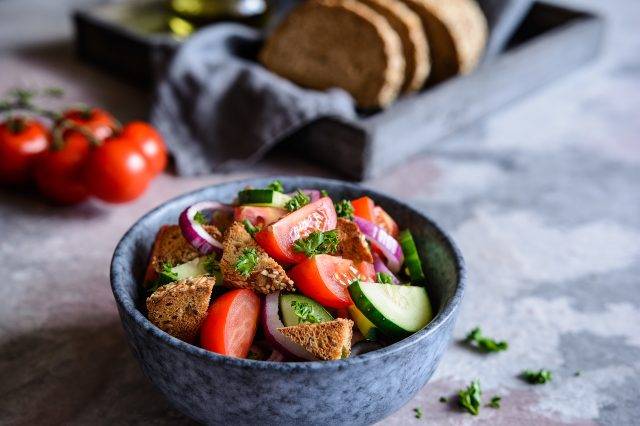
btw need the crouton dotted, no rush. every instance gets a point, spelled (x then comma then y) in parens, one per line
(171, 247)
(353, 245)
(325, 340)
(179, 308)
(266, 277)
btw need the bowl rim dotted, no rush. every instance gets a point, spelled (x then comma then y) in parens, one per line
(127, 305)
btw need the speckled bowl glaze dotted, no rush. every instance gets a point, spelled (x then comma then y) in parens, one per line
(215, 389)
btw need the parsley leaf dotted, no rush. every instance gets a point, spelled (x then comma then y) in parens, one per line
(165, 276)
(318, 243)
(298, 200)
(419, 412)
(537, 377)
(345, 209)
(247, 261)
(211, 265)
(167, 272)
(383, 278)
(324, 193)
(483, 343)
(253, 230)
(200, 218)
(495, 402)
(276, 185)
(443, 399)
(471, 398)
(304, 312)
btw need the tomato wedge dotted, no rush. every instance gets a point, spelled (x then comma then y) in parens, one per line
(231, 323)
(325, 278)
(258, 216)
(384, 221)
(277, 239)
(363, 207)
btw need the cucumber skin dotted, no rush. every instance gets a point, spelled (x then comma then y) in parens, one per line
(385, 326)
(411, 258)
(262, 197)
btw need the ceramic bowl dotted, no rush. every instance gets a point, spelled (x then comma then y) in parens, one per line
(215, 389)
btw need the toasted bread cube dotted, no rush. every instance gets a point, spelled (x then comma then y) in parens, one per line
(325, 340)
(180, 307)
(353, 245)
(267, 277)
(171, 247)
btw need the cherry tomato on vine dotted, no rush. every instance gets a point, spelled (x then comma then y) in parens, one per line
(149, 142)
(59, 172)
(22, 140)
(97, 121)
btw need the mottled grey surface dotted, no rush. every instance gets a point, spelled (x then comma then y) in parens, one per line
(542, 199)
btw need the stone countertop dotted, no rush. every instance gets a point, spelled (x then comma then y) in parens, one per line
(543, 199)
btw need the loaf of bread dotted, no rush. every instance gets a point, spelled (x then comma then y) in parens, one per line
(338, 43)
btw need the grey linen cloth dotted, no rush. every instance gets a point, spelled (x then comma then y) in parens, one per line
(218, 109)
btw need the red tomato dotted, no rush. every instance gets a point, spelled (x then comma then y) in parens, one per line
(277, 239)
(22, 140)
(149, 142)
(384, 221)
(59, 172)
(325, 279)
(367, 271)
(116, 171)
(363, 207)
(258, 216)
(99, 122)
(231, 323)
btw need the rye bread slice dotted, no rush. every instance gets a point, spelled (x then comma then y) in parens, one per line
(415, 48)
(338, 43)
(325, 340)
(457, 34)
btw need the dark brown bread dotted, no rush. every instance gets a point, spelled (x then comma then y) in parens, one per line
(457, 34)
(267, 277)
(353, 245)
(415, 48)
(325, 340)
(179, 308)
(171, 247)
(338, 43)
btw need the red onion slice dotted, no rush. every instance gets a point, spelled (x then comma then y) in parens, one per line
(379, 266)
(384, 242)
(271, 323)
(195, 233)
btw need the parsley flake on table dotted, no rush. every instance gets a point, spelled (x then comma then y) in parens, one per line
(200, 218)
(495, 402)
(344, 209)
(443, 399)
(247, 261)
(251, 229)
(539, 377)
(418, 412)
(383, 278)
(484, 343)
(298, 200)
(276, 185)
(318, 243)
(471, 398)
(304, 312)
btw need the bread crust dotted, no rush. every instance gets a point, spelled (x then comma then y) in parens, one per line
(171, 247)
(338, 43)
(326, 340)
(353, 245)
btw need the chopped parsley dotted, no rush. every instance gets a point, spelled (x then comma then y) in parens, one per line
(247, 261)
(324, 193)
(200, 218)
(418, 412)
(577, 373)
(211, 265)
(539, 377)
(165, 276)
(344, 209)
(485, 344)
(443, 399)
(383, 278)
(298, 200)
(251, 229)
(318, 243)
(167, 272)
(276, 185)
(304, 312)
(471, 398)
(495, 402)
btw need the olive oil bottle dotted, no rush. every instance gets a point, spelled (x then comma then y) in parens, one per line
(186, 16)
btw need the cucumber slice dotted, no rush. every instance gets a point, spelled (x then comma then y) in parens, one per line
(411, 259)
(263, 198)
(366, 327)
(396, 310)
(204, 265)
(297, 309)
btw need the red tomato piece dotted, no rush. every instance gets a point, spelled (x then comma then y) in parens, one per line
(325, 279)
(258, 216)
(363, 207)
(384, 221)
(149, 142)
(277, 239)
(231, 323)
(22, 140)
(99, 122)
(367, 271)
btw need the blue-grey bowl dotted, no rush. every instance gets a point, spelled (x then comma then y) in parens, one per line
(215, 389)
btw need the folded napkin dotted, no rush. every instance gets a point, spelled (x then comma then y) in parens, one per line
(218, 109)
